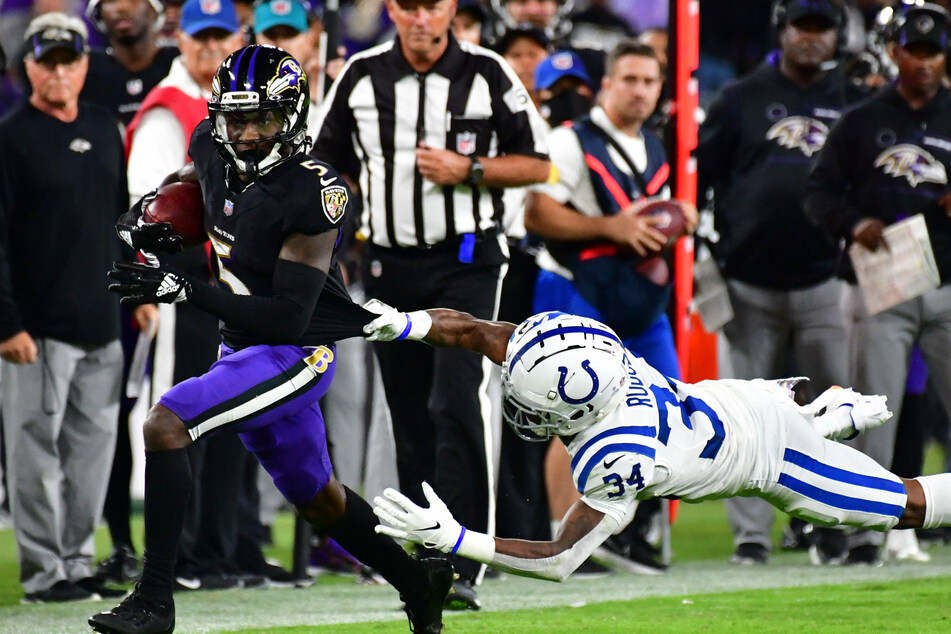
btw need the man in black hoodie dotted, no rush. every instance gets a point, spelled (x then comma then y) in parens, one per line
(755, 150)
(887, 160)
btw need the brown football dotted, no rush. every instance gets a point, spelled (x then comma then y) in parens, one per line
(180, 205)
(673, 223)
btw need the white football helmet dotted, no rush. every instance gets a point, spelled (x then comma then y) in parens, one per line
(562, 374)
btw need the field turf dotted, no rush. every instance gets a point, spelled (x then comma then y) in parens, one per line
(700, 593)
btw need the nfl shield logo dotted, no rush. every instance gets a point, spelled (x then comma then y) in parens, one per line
(466, 143)
(281, 7)
(229, 207)
(133, 86)
(334, 202)
(210, 7)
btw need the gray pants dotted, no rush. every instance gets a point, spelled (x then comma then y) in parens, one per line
(59, 425)
(814, 321)
(880, 350)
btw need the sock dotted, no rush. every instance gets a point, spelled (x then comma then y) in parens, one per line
(355, 532)
(168, 483)
(937, 490)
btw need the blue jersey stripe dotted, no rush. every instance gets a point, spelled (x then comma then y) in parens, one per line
(636, 430)
(834, 473)
(837, 500)
(607, 450)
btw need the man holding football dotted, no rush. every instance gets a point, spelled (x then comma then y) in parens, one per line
(634, 434)
(273, 216)
(605, 257)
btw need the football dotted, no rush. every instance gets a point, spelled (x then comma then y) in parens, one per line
(180, 205)
(673, 222)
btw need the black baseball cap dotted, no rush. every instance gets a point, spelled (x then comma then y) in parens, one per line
(55, 30)
(523, 30)
(472, 7)
(923, 23)
(824, 9)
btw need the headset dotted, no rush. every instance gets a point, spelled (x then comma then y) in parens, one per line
(778, 19)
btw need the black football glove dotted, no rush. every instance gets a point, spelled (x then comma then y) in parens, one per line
(141, 284)
(151, 237)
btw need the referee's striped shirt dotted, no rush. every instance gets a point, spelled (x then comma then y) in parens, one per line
(379, 109)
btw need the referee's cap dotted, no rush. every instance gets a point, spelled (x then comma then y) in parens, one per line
(558, 65)
(56, 30)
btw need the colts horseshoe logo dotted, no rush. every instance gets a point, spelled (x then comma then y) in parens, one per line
(563, 371)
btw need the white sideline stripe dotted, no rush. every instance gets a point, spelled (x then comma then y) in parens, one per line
(323, 607)
(257, 403)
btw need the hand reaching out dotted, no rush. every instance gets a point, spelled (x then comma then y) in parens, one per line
(433, 527)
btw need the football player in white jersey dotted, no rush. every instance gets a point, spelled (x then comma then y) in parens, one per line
(634, 434)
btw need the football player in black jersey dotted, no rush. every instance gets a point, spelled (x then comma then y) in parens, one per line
(273, 216)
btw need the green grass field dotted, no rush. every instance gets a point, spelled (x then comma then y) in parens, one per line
(700, 593)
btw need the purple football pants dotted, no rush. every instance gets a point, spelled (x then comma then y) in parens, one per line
(268, 395)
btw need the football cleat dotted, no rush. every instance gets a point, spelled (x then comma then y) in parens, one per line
(425, 611)
(121, 566)
(137, 614)
(845, 413)
(462, 596)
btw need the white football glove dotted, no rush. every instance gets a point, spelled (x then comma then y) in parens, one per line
(434, 527)
(392, 325)
(847, 413)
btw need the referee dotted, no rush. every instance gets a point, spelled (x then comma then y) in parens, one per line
(432, 130)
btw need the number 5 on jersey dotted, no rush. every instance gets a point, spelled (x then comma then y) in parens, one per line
(223, 254)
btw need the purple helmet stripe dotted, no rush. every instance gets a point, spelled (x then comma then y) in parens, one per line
(257, 49)
(235, 70)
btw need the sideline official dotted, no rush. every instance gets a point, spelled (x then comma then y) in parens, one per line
(432, 129)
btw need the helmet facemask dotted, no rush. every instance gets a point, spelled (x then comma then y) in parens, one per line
(261, 126)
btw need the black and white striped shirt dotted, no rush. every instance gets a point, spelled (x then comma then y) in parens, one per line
(380, 108)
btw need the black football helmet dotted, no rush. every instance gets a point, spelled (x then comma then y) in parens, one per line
(265, 88)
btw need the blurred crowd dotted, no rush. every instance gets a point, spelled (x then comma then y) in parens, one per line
(777, 209)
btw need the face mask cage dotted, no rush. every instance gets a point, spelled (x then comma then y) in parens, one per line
(257, 160)
(535, 423)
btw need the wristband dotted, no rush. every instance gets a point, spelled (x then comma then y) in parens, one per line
(418, 324)
(475, 546)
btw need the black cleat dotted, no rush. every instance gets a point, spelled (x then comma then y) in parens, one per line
(462, 596)
(425, 611)
(137, 614)
(121, 566)
(864, 555)
(95, 586)
(750, 554)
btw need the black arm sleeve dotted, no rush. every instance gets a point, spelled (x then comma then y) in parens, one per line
(281, 318)
(284, 317)
(11, 321)
(826, 202)
(717, 140)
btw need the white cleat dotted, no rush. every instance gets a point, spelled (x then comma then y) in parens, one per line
(902, 545)
(847, 413)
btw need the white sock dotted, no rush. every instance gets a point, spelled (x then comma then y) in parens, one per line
(937, 490)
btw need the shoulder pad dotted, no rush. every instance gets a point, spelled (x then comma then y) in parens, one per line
(313, 196)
